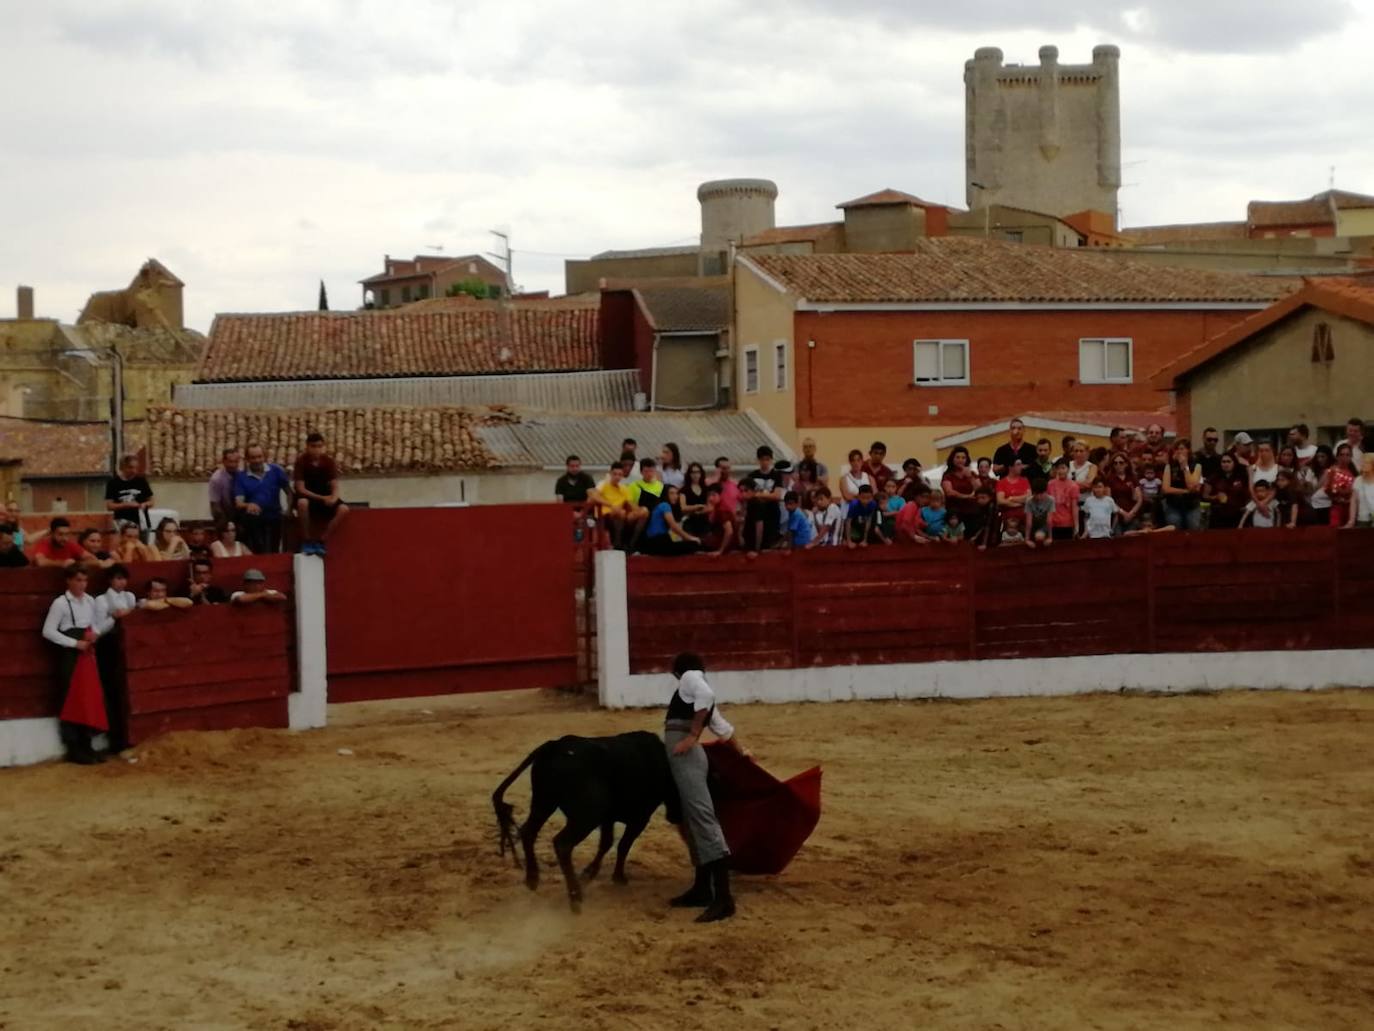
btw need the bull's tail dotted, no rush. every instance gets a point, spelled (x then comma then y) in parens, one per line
(505, 812)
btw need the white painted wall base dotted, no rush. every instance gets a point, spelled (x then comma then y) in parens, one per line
(24, 742)
(308, 705)
(1004, 678)
(984, 678)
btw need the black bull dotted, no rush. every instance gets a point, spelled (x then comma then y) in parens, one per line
(596, 782)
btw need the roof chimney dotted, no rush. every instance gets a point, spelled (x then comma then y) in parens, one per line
(23, 302)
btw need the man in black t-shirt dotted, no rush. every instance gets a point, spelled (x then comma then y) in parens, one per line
(573, 485)
(763, 514)
(1017, 448)
(127, 494)
(11, 555)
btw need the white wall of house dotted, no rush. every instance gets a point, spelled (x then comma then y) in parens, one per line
(190, 500)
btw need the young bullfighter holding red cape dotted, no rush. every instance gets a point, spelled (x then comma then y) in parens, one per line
(691, 710)
(73, 624)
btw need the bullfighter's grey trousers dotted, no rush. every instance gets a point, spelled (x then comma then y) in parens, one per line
(705, 840)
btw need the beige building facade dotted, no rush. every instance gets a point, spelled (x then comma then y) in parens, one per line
(1308, 359)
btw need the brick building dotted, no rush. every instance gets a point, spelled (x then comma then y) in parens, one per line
(427, 275)
(909, 348)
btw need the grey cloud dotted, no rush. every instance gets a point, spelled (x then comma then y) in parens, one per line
(1201, 26)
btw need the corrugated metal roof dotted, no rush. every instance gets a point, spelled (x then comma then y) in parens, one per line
(545, 440)
(599, 391)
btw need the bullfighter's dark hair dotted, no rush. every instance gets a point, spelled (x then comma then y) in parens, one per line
(686, 661)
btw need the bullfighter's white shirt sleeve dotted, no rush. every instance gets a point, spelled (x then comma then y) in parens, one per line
(720, 726)
(52, 626)
(693, 688)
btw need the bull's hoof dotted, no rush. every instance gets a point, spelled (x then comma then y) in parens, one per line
(590, 873)
(575, 903)
(532, 883)
(619, 878)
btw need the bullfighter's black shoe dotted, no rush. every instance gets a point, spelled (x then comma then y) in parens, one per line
(723, 907)
(699, 894)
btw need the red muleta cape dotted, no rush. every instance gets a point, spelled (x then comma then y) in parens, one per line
(85, 702)
(766, 821)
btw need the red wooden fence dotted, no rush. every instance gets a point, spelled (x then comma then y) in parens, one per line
(426, 601)
(1217, 591)
(27, 662)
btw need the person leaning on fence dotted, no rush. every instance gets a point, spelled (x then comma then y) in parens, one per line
(131, 548)
(1362, 496)
(827, 520)
(664, 534)
(615, 507)
(258, 490)
(72, 624)
(319, 507)
(863, 521)
(160, 599)
(255, 591)
(58, 548)
(203, 590)
(722, 533)
(11, 555)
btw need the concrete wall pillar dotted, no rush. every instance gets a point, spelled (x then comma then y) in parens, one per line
(307, 705)
(612, 629)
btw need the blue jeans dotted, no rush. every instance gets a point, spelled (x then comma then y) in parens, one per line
(1183, 517)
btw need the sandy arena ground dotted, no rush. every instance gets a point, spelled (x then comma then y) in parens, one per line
(1104, 862)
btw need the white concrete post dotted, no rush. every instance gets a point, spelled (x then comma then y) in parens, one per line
(612, 629)
(307, 705)
(27, 741)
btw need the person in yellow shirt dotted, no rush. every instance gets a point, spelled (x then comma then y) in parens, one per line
(617, 507)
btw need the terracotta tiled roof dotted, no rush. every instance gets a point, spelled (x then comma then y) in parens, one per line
(1351, 296)
(885, 197)
(56, 448)
(1186, 232)
(1315, 210)
(682, 309)
(793, 234)
(486, 337)
(186, 443)
(966, 269)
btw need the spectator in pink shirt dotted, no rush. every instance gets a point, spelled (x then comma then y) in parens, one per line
(729, 489)
(1064, 519)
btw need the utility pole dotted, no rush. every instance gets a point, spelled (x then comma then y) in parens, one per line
(504, 258)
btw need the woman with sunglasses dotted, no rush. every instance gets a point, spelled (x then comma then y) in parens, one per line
(1121, 483)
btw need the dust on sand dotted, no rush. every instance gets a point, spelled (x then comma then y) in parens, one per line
(1114, 862)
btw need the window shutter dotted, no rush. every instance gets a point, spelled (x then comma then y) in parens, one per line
(1118, 360)
(927, 361)
(952, 365)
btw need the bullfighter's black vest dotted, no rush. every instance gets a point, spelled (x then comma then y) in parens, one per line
(681, 710)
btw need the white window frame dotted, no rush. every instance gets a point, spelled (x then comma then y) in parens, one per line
(751, 351)
(943, 381)
(781, 370)
(1103, 342)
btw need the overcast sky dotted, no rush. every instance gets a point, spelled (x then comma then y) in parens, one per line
(256, 148)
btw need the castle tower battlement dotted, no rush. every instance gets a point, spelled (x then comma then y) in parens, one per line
(1043, 137)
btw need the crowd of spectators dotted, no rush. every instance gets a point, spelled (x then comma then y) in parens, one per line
(249, 501)
(1025, 494)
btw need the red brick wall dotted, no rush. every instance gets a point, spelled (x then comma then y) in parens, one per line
(860, 371)
(626, 341)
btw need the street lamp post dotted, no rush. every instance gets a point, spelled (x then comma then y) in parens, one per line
(116, 395)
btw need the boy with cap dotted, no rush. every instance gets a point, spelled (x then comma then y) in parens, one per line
(255, 590)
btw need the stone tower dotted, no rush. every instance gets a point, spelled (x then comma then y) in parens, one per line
(1044, 138)
(732, 209)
